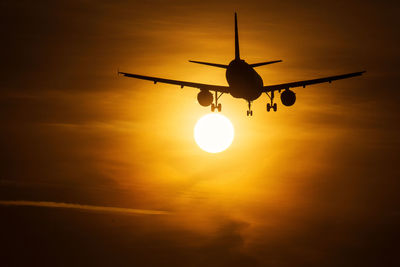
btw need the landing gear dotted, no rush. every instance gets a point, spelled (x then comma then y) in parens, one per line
(272, 104)
(216, 105)
(249, 112)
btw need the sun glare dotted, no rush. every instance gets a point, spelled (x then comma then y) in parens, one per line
(213, 133)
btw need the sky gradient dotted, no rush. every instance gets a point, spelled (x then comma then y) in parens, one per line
(315, 184)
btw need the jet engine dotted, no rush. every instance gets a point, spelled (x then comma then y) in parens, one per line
(288, 97)
(205, 98)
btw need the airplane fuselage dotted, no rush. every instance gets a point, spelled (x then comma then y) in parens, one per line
(244, 82)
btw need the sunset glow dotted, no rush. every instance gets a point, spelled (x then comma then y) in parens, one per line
(98, 169)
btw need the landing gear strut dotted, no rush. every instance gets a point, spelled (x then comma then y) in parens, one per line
(249, 112)
(272, 104)
(216, 105)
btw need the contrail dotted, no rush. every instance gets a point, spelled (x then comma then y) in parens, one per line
(49, 204)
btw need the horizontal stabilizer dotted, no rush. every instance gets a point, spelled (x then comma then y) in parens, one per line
(264, 63)
(210, 64)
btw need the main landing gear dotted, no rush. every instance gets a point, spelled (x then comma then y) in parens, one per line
(272, 104)
(249, 112)
(216, 105)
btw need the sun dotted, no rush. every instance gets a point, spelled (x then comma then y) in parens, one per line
(213, 133)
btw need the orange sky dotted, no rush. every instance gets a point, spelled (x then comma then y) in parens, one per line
(74, 132)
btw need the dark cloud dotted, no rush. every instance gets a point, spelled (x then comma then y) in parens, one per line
(65, 238)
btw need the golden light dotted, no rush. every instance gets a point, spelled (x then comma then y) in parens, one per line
(213, 133)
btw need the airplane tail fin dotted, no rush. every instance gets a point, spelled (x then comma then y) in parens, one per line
(264, 63)
(237, 54)
(210, 64)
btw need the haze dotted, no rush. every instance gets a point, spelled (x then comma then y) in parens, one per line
(315, 184)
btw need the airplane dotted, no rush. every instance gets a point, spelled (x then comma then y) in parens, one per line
(244, 82)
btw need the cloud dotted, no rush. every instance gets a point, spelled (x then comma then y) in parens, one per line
(311, 184)
(49, 204)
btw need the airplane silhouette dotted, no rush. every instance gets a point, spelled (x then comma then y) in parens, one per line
(244, 82)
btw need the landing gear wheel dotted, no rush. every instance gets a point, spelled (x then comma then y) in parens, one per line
(219, 107)
(251, 113)
(212, 107)
(275, 107)
(268, 107)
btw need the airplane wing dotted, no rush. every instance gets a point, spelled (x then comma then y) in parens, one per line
(201, 86)
(271, 88)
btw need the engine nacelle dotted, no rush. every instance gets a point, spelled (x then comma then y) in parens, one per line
(205, 98)
(288, 97)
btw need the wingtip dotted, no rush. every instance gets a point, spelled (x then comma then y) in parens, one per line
(361, 72)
